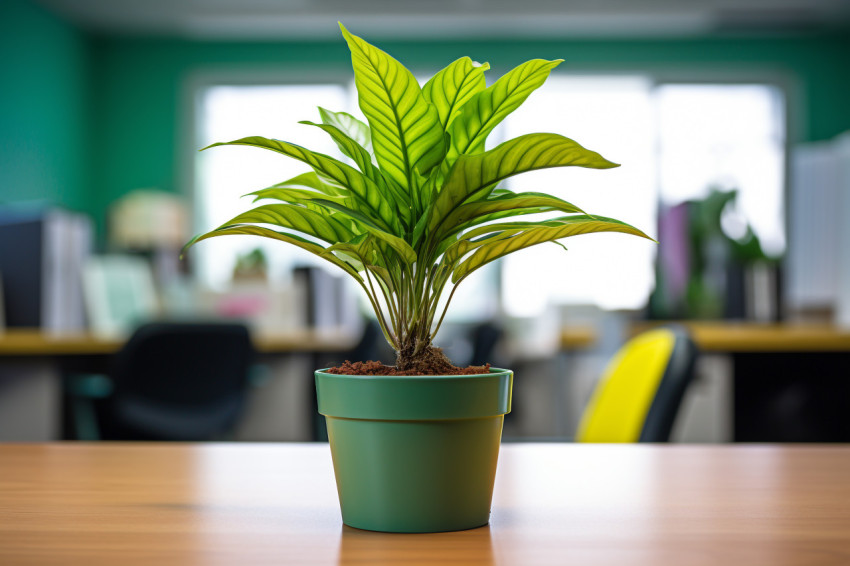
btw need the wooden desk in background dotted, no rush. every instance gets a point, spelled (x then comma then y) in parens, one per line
(31, 342)
(554, 504)
(751, 337)
(32, 365)
(732, 336)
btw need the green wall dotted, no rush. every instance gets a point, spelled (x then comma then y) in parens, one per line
(84, 119)
(140, 82)
(44, 108)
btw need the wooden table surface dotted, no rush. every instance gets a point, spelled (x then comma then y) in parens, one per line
(558, 504)
(34, 342)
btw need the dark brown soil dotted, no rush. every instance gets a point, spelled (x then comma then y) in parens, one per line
(377, 368)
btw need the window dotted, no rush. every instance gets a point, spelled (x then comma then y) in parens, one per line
(651, 130)
(741, 145)
(223, 176)
(611, 115)
(647, 128)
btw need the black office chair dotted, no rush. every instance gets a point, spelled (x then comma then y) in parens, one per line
(177, 381)
(485, 337)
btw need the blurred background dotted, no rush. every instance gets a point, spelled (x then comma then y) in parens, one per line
(729, 117)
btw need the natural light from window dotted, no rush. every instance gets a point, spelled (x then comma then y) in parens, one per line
(224, 175)
(741, 145)
(611, 115)
(649, 129)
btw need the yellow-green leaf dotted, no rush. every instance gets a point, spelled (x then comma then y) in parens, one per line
(398, 244)
(348, 124)
(473, 174)
(293, 239)
(486, 109)
(406, 129)
(360, 187)
(506, 204)
(301, 188)
(363, 160)
(491, 249)
(453, 86)
(295, 217)
(352, 149)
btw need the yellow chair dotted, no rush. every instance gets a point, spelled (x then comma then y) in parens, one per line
(639, 394)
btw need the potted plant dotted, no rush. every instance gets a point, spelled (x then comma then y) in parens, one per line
(418, 212)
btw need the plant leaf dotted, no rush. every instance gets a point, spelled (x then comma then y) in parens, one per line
(363, 189)
(349, 125)
(506, 204)
(352, 149)
(486, 109)
(508, 228)
(351, 260)
(488, 250)
(365, 250)
(297, 218)
(293, 239)
(363, 160)
(383, 275)
(424, 208)
(399, 245)
(406, 129)
(472, 174)
(453, 86)
(299, 189)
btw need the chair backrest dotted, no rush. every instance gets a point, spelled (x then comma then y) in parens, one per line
(485, 337)
(639, 394)
(180, 381)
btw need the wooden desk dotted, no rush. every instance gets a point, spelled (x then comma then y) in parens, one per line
(32, 342)
(32, 364)
(733, 337)
(577, 337)
(554, 504)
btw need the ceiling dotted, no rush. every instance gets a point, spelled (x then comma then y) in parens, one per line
(429, 19)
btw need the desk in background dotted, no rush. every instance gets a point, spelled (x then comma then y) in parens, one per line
(791, 382)
(553, 504)
(33, 363)
(750, 337)
(31, 342)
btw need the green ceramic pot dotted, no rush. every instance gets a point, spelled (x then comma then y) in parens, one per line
(415, 454)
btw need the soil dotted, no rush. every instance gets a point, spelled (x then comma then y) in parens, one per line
(377, 368)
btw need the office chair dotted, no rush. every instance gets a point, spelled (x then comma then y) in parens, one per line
(174, 381)
(639, 394)
(484, 337)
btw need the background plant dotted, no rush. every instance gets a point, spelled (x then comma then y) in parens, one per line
(420, 209)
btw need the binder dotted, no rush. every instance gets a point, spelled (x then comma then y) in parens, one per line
(41, 258)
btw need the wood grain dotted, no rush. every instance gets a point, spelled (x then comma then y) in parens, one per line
(554, 504)
(33, 342)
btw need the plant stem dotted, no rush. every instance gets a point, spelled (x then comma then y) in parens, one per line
(393, 340)
(391, 306)
(446, 308)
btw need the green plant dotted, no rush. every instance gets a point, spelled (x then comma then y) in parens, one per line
(251, 264)
(422, 207)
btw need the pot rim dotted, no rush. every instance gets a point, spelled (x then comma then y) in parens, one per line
(493, 371)
(414, 397)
